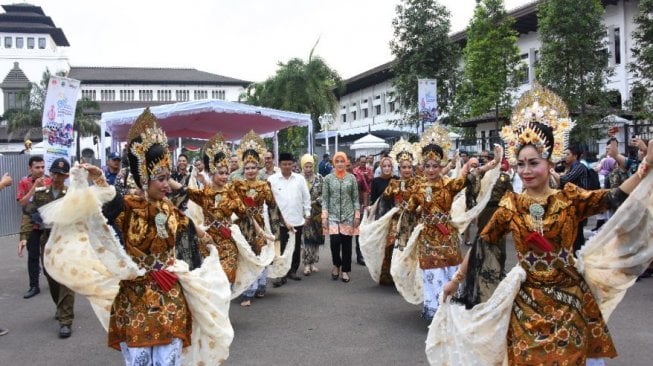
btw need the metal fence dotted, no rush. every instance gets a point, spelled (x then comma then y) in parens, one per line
(16, 166)
(10, 210)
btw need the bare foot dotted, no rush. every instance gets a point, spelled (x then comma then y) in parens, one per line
(245, 303)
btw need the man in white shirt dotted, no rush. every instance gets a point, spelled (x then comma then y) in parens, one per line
(294, 201)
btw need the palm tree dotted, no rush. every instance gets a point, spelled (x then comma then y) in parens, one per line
(298, 86)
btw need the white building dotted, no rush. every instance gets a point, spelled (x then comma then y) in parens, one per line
(366, 104)
(30, 43)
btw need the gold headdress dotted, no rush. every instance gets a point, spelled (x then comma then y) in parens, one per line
(543, 106)
(143, 135)
(251, 149)
(216, 153)
(434, 135)
(402, 150)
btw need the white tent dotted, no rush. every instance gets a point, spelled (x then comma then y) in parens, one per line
(369, 145)
(204, 118)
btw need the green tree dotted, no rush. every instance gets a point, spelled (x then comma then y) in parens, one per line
(573, 57)
(492, 66)
(298, 86)
(642, 67)
(423, 50)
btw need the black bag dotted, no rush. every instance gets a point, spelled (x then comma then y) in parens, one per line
(593, 181)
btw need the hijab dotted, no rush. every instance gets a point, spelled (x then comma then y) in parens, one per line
(340, 173)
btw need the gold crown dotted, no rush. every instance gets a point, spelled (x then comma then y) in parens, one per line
(215, 145)
(402, 150)
(543, 106)
(147, 128)
(434, 135)
(250, 143)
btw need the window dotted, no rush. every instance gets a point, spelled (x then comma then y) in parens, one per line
(30, 43)
(377, 109)
(365, 113)
(182, 95)
(353, 115)
(617, 46)
(127, 95)
(15, 100)
(164, 95)
(107, 95)
(88, 94)
(218, 94)
(8, 42)
(344, 117)
(146, 95)
(19, 42)
(391, 107)
(523, 69)
(200, 94)
(41, 42)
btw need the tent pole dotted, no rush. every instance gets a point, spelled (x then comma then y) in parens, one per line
(102, 152)
(275, 139)
(310, 137)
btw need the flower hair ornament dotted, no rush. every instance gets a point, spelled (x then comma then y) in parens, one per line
(434, 135)
(402, 150)
(144, 134)
(251, 149)
(539, 105)
(216, 153)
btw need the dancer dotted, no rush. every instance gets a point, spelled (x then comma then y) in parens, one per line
(550, 309)
(388, 224)
(152, 314)
(256, 194)
(340, 215)
(436, 241)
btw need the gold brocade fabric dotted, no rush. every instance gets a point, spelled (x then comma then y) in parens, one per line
(258, 192)
(555, 319)
(402, 223)
(142, 315)
(218, 206)
(437, 249)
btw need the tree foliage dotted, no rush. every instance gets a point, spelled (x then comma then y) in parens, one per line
(423, 50)
(492, 66)
(574, 58)
(641, 98)
(298, 86)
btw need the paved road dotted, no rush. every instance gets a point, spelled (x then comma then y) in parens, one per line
(316, 321)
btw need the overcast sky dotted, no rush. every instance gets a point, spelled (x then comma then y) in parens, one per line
(244, 39)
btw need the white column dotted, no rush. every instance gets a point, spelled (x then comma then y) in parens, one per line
(102, 152)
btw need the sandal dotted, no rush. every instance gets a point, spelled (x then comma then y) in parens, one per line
(334, 276)
(345, 279)
(245, 303)
(314, 268)
(307, 270)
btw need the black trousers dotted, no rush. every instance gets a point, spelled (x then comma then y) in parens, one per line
(580, 237)
(341, 251)
(283, 238)
(34, 257)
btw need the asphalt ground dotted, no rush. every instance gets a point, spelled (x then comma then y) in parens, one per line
(316, 321)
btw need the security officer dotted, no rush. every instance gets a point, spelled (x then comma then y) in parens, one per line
(63, 297)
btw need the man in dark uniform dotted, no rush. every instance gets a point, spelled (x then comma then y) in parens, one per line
(32, 224)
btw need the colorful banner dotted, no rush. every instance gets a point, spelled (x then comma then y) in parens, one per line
(427, 100)
(59, 118)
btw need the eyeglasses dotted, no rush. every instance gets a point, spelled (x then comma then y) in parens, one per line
(485, 156)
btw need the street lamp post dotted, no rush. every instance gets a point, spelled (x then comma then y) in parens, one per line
(326, 120)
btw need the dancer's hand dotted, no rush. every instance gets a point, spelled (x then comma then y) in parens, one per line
(449, 289)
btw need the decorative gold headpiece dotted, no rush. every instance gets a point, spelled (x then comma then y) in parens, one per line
(216, 145)
(543, 106)
(434, 135)
(147, 130)
(251, 145)
(402, 150)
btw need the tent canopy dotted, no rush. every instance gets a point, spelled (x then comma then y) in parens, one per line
(204, 118)
(369, 141)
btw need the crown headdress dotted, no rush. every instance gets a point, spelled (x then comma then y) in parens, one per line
(402, 150)
(434, 135)
(216, 145)
(144, 134)
(252, 148)
(539, 105)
